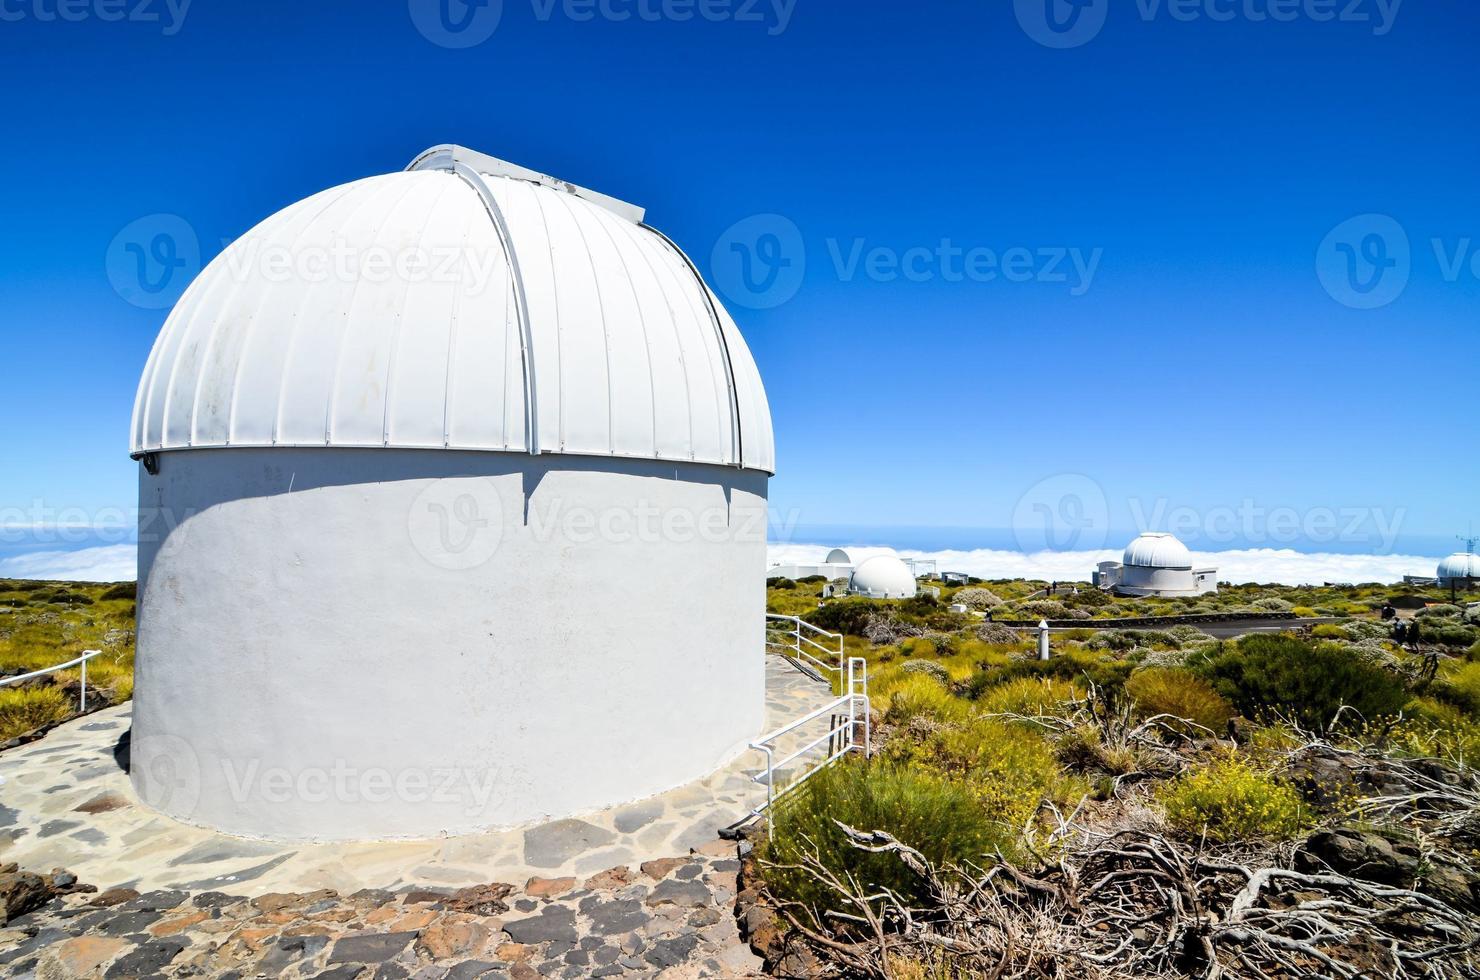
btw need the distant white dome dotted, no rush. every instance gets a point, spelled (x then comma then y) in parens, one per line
(1460, 565)
(479, 311)
(882, 577)
(837, 557)
(1156, 549)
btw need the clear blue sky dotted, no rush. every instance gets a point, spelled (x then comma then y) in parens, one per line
(1205, 364)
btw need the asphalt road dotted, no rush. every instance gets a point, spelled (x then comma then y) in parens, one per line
(1227, 631)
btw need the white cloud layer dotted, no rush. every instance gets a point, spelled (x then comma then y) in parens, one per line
(110, 563)
(1270, 565)
(118, 563)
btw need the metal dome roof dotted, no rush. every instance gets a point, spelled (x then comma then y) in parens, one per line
(464, 304)
(1460, 565)
(837, 557)
(882, 577)
(1156, 549)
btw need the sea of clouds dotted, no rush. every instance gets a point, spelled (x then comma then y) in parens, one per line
(106, 563)
(1267, 565)
(117, 563)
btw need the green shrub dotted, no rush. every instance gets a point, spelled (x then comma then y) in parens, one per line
(1448, 633)
(1039, 609)
(1230, 800)
(930, 668)
(1272, 605)
(1168, 690)
(1458, 684)
(24, 709)
(977, 598)
(123, 590)
(918, 646)
(1029, 696)
(998, 634)
(781, 583)
(1329, 631)
(939, 817)
(917, 696)
(1008, 768)
(1272, 678)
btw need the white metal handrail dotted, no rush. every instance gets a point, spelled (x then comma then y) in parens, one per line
(803, 645)
(86, 656)
(846, 714)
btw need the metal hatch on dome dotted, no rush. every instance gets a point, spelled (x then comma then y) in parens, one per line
(444, 156)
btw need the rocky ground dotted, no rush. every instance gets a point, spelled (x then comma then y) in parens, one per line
(671, 918)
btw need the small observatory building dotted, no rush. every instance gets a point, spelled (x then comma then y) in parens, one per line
(1460, 570)
(464, 469)
(883, 577)
(1156, 564)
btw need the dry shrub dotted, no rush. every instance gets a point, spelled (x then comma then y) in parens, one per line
(1181, 693)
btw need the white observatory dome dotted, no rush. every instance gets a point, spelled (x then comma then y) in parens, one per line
(837, 557)
(1155, 549)
(1460, 565)
(443, 454)
(529, 316)
(882, 577)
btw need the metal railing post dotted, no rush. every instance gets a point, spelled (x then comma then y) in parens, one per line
(82, 706)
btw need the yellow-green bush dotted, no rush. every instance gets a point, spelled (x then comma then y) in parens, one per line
(1029, 696)
(24, 709)
(1008, 768)
(918, 646)
(1435, 730)
(1231, 800)
(937, 816)
(906, 696)
(1329, 631)
(1172, 691)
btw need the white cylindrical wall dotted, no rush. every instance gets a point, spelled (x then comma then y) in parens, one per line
(1151, 581)
(381, 643)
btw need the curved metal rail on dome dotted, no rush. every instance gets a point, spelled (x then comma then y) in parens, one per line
(82, 660)
(446, 158)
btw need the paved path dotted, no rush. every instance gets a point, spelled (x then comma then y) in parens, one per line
(1229, 631)
(67, 802)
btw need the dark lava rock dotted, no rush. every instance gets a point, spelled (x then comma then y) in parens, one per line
(128, 923)
(22, 892)
(146, 959)
(671, 952)
(555, 923)
(370, 948)
(685, 894)
(614, 917)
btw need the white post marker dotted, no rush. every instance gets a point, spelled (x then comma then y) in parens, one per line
(1043, 639)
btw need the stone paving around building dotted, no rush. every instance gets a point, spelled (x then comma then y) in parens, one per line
(670, 918)
(644, 889)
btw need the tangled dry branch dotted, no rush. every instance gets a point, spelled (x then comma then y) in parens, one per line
(1135, 903)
